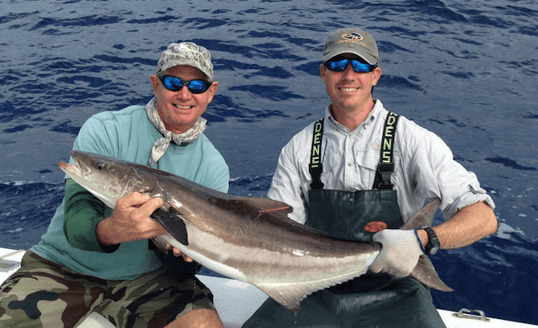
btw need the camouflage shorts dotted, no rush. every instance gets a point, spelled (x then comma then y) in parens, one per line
(44, 294)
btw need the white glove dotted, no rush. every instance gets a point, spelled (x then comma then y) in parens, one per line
(399, 254)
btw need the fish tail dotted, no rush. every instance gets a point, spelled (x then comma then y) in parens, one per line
(426, 274)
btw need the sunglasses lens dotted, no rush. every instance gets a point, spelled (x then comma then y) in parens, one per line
(360, 67)
(172, 83)
(339, 65)
(198, 86)
(175, 84)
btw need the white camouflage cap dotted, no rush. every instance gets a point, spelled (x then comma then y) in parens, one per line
(186, 53)
(351, 40)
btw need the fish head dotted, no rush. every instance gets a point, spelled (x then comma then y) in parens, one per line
(107, 178)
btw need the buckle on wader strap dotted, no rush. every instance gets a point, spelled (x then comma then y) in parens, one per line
(316, 167)
(386, 163)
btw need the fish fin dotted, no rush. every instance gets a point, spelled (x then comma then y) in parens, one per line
(172, 222)
(424, 217)
(426, 274)
(424, 270)
(289, 297)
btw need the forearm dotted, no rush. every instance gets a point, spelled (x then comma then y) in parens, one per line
(105, 236)
(467, 226)
(83, 211)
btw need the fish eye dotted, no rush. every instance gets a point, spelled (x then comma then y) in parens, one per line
(100, 166)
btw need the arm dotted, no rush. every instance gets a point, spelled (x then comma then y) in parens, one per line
(129, 221)
(434, 173)
(88, 223)
(401, 249)
(468, 225)
(286, 185)
(82, 213)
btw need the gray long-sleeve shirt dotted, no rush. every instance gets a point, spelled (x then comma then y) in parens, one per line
(424, 167)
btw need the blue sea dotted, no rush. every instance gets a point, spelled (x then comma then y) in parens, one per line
(466, 70)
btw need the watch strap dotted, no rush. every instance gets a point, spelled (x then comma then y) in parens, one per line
(433, 245)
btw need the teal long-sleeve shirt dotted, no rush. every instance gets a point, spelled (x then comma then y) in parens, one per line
(128, 135)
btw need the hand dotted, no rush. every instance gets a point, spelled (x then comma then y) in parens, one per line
(130, 220)
(178, 253)
(399, 253)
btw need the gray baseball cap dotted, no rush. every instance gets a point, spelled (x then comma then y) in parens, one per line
(186, 53)
(351, 40)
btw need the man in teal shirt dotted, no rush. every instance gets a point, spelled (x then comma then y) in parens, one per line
(96, 259)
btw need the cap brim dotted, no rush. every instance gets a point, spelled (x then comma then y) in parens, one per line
(191, 63)
(371, 61)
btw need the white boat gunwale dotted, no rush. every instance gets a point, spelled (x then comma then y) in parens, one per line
(228, 293)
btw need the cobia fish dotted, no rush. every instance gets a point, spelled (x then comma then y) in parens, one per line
(245, 238)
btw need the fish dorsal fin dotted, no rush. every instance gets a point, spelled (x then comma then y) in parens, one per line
(424, 270)
(424, 217)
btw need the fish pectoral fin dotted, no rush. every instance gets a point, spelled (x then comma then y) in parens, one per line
(171, 221)
(426, 274)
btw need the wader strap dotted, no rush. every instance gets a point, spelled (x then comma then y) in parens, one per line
(386, 164)
(316, 167)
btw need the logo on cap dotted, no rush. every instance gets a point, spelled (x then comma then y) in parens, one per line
(352, 36)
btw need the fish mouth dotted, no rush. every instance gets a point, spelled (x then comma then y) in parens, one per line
(69, 169)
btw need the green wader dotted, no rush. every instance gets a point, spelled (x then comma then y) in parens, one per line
(371, 300)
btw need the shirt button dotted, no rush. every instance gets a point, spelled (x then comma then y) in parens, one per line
(350, 163)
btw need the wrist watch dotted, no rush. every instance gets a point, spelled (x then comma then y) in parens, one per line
(433, 245)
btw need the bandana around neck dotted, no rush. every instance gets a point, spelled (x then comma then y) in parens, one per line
(160, 146)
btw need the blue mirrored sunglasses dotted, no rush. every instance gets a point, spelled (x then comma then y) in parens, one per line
(175, 84)
(339, 64)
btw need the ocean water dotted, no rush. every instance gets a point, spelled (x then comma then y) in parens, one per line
(466, 70)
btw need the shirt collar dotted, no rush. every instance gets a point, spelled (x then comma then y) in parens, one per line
(374, 113)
